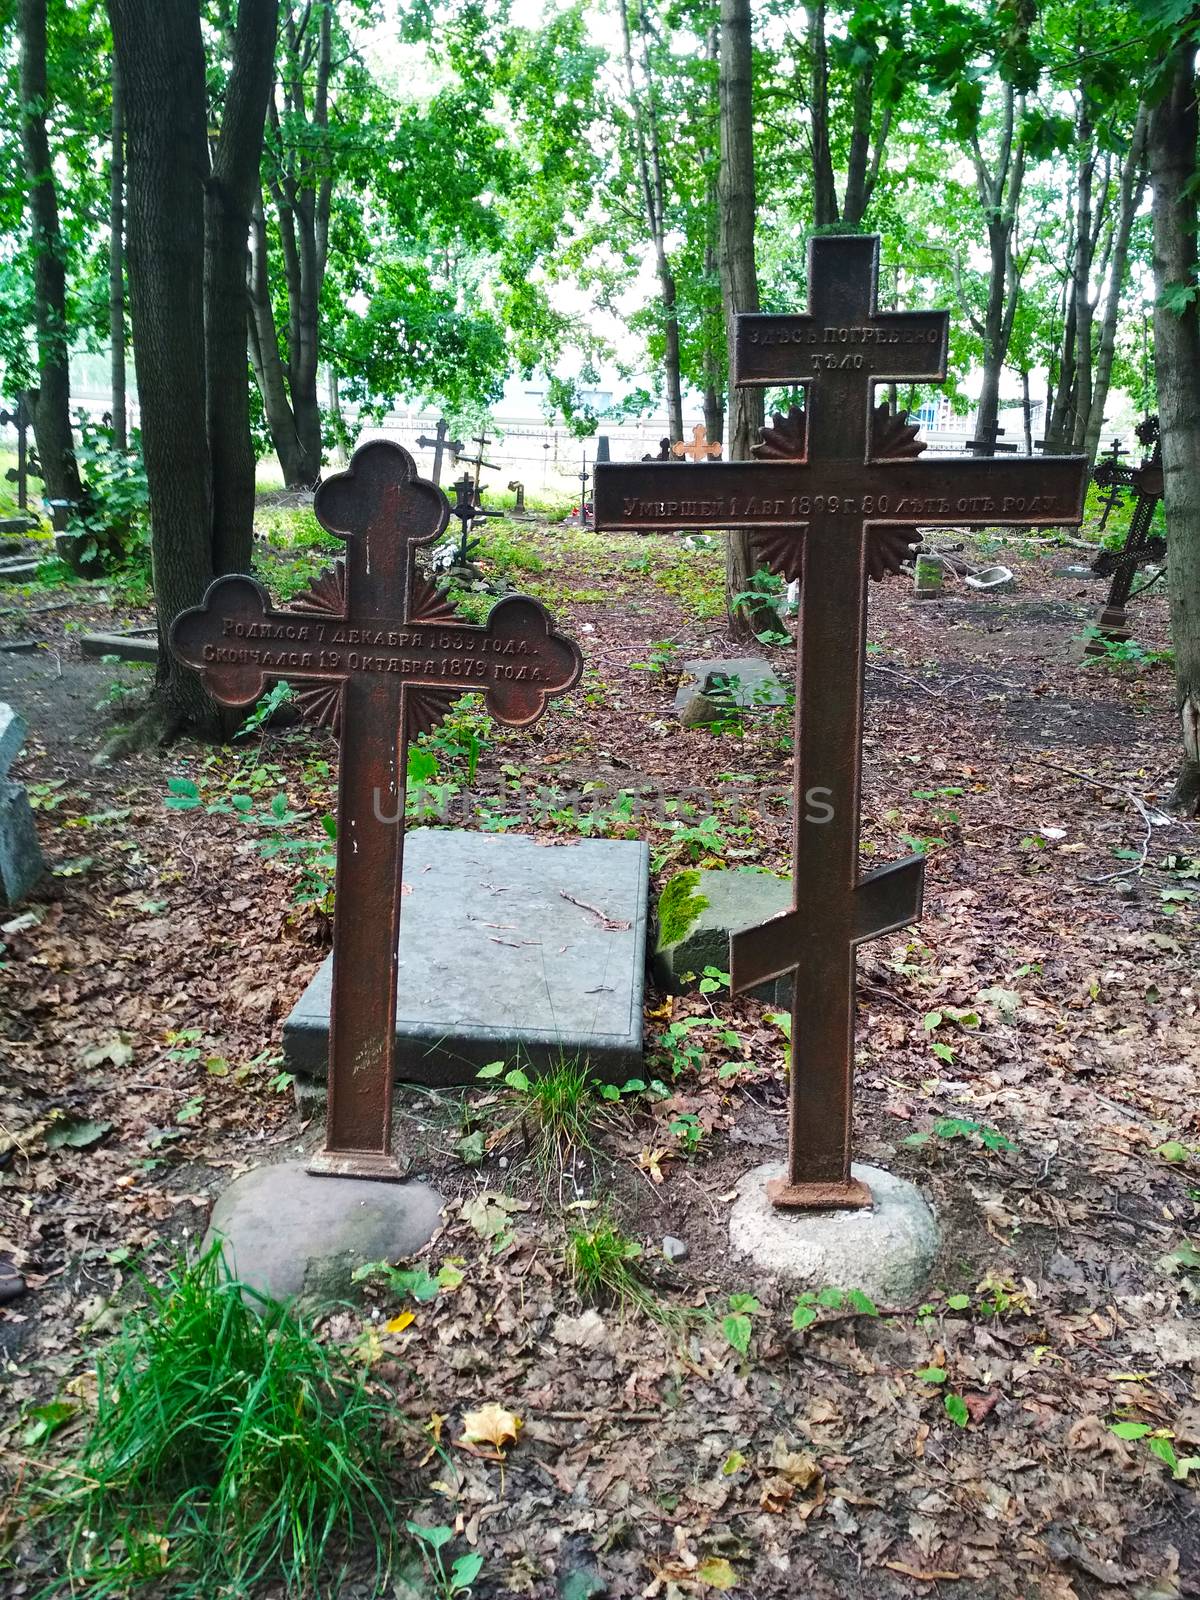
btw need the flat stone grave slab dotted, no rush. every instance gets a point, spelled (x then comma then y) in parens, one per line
(139, 644)
(17, 569)
(710, 689)
(700, 908)
(509, 949)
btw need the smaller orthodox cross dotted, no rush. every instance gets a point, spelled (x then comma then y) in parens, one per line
(439, 444)
(1146, 482)
(19, 419)
(584, 477)
(468, 510)
(834, 499)
(382, 656)
(700, 449)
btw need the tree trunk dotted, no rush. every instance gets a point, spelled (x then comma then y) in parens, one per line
(825, 206)
(1060, 426)
(739, 278)
(160, 58)
(116, 265)
(267, 362)
(854, 205)
(674, 386)
(1083, 275)
(229, 200)
(50, 404)
(994, 349)
(1133, 182)
(1172, 159)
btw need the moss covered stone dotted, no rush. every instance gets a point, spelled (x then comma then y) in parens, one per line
(678, 907)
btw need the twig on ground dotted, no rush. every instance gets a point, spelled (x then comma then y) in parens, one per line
(1136, 800)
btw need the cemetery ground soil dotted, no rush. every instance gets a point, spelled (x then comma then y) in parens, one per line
(1042, 997)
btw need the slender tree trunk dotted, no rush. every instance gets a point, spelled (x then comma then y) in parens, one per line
(824, 190)
(160, 58)
(854, 205)
(116, 264)
(1027, 411)
(50, 404)
(1083, 275)
(1062, 412)
(229, 201)
(1172, 143)
(267, 362)
(994, 350)
(739, 277)
(1133, 183)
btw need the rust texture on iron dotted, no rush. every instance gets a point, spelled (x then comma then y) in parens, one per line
(1145, 483)
(378, 653)
(835, 497)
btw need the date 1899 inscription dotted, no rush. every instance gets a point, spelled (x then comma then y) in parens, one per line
(745, 508)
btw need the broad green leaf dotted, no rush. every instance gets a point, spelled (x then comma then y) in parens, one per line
(956, 1409)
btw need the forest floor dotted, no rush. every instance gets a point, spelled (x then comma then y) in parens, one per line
(1011, 1436)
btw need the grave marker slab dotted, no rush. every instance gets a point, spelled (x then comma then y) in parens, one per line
(834, 498)
(747, 683)
(21, 860)
(380, 656)
(508, 949)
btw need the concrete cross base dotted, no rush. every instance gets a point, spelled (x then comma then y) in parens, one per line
(886, 1250)
(289, 1234)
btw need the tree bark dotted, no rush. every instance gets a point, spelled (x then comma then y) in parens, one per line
(1083, 272)
(1172, 145)
(229, 199)
(267, 361)
(999, 199)
(739, 277)
(50, 404)
(1133, 183)
(160, 58)
(116, 265)
(648, 153)
(825, 206)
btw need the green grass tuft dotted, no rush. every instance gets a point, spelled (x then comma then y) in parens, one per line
(556, 1111)
(601, 1261)
(229, 1449)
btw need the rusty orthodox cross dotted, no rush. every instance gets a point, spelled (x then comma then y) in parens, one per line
(834, 497)
(438, 444)
(700, 449)
(1146, 484)
(381, 656)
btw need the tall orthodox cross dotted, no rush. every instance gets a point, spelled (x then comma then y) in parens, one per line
(833, 499)
(381, 656)
(438, 444)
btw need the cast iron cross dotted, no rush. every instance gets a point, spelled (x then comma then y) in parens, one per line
(438, 444)
(381, 656)
(1146, 483)
(834, 498)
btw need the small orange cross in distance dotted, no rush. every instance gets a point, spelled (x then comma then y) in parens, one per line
(699, 449)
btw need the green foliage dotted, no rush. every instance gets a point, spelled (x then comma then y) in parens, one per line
(736, 1324)
(950, 1128)
(555, 1110)
(601, 1263)
(464, 1570)
(812, 1302)
(679, 905)
(113, 518)
(228, 1447)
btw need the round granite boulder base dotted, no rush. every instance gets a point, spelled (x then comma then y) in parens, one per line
(885, 1250)
(290, 1234)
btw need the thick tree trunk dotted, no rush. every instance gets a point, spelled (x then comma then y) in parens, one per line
(1133, 182)
(50, 404)
(1172, 145)
(160, 58)
(671, 350)
(858, 192)
(116, 264)
(825, 206)
(231, 192)
(739, 277)
(1062, 412)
